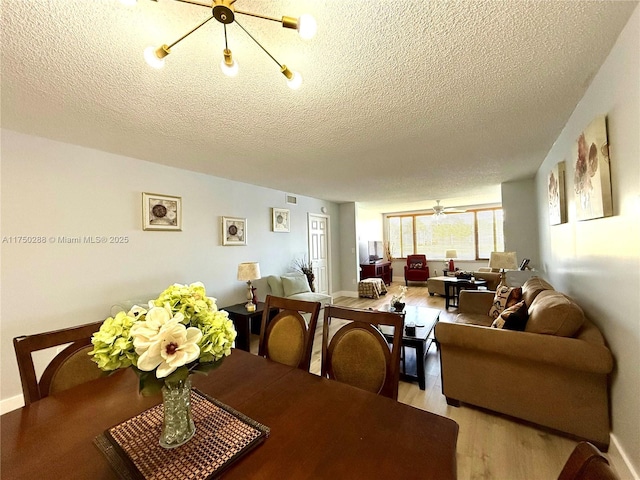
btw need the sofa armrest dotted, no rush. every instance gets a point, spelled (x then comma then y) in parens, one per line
(476, 301)
(570, 353)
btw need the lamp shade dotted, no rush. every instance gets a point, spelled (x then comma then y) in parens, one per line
(248, 271)
(503, 260)
(450, 254)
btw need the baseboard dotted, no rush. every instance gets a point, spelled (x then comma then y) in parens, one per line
(11, 403)
(620, 461)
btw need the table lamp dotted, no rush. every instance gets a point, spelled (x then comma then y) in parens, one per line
(503, 261)
(451, 254)
(248, 271)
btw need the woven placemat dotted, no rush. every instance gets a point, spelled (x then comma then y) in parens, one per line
(222, 436)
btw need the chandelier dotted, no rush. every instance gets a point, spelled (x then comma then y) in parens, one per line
(225, 13)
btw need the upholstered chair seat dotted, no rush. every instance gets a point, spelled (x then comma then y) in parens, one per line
(358, 354)
(287, 337)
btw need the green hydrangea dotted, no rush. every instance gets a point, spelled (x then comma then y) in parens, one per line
(218, 334)
(113, 345)
(190, 300)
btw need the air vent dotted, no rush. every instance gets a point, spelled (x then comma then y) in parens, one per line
(291, 199)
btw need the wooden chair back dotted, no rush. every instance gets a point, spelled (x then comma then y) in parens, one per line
(71, 367)
(287, 337)
(586, 462)
(358, 353)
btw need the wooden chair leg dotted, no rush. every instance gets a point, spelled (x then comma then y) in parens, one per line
(453, 402)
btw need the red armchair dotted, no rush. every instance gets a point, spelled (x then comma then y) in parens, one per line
(416, 269)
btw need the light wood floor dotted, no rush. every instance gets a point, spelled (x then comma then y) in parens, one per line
(490, 446)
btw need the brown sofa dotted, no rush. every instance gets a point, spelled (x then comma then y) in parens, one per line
(554, 374)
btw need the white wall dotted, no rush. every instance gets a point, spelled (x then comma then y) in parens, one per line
(349, 260)
(52, 189)
(520, 214)
(369, 228)
(598, 261)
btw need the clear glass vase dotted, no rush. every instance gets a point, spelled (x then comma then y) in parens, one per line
(177, 426)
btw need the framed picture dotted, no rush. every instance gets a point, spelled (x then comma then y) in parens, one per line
(161, 212)
(592, 177)
(557, 202)
(234, 231)
(280, 219)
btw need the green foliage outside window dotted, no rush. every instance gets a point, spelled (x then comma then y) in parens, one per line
(473, 234)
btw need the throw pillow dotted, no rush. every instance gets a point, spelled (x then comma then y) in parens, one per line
(293, 285)
(416, 265)
(552, 313)
(505, 297)
(275, 283)
(513, 318)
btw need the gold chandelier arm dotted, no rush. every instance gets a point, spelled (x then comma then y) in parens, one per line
(207, 5)
(191, 31)
(287, 22)
(193, 3)
(258, 43)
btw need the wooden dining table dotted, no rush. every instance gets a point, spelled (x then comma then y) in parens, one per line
(319, 428)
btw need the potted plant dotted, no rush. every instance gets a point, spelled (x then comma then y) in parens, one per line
(397, 301)
(306, 268)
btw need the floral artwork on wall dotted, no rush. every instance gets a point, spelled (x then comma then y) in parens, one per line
(557, 202)
(161, 212)
(280, 220)
(234, 231)
(592, 178)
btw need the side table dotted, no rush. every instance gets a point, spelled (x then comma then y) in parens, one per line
(452, 287)
(242, 321)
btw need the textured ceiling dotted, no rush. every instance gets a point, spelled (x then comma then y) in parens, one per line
(403, 102)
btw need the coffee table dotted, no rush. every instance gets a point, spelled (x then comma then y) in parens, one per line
(425, 320)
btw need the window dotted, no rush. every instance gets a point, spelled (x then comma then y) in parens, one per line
(473, 234)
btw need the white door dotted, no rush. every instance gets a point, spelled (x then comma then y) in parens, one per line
(319, 251)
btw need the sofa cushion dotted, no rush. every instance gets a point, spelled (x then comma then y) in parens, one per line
(313, 297)
(552, 313)
(275, 284)
(293, 285)
(505, 297)
(532, 288)
(492, 278)
(513, 318)
(472, 319)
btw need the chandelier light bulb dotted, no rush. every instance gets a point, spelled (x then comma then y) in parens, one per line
(152, 59)
(307, 26)
(228, 65)
(229, 70)
(295, 81)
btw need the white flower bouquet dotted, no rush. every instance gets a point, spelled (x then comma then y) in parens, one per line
(181, 332)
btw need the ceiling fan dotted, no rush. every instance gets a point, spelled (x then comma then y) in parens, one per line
(440, 211)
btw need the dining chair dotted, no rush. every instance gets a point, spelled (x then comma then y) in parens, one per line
(287, 337)
(586, 462)
(70, 367)
(358, 353)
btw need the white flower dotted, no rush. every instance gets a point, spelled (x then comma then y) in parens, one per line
(137, 311)
(175, 346)
(146, 333)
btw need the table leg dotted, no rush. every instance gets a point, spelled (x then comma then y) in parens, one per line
(447, 295)
(420, 365)
(243, 339)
